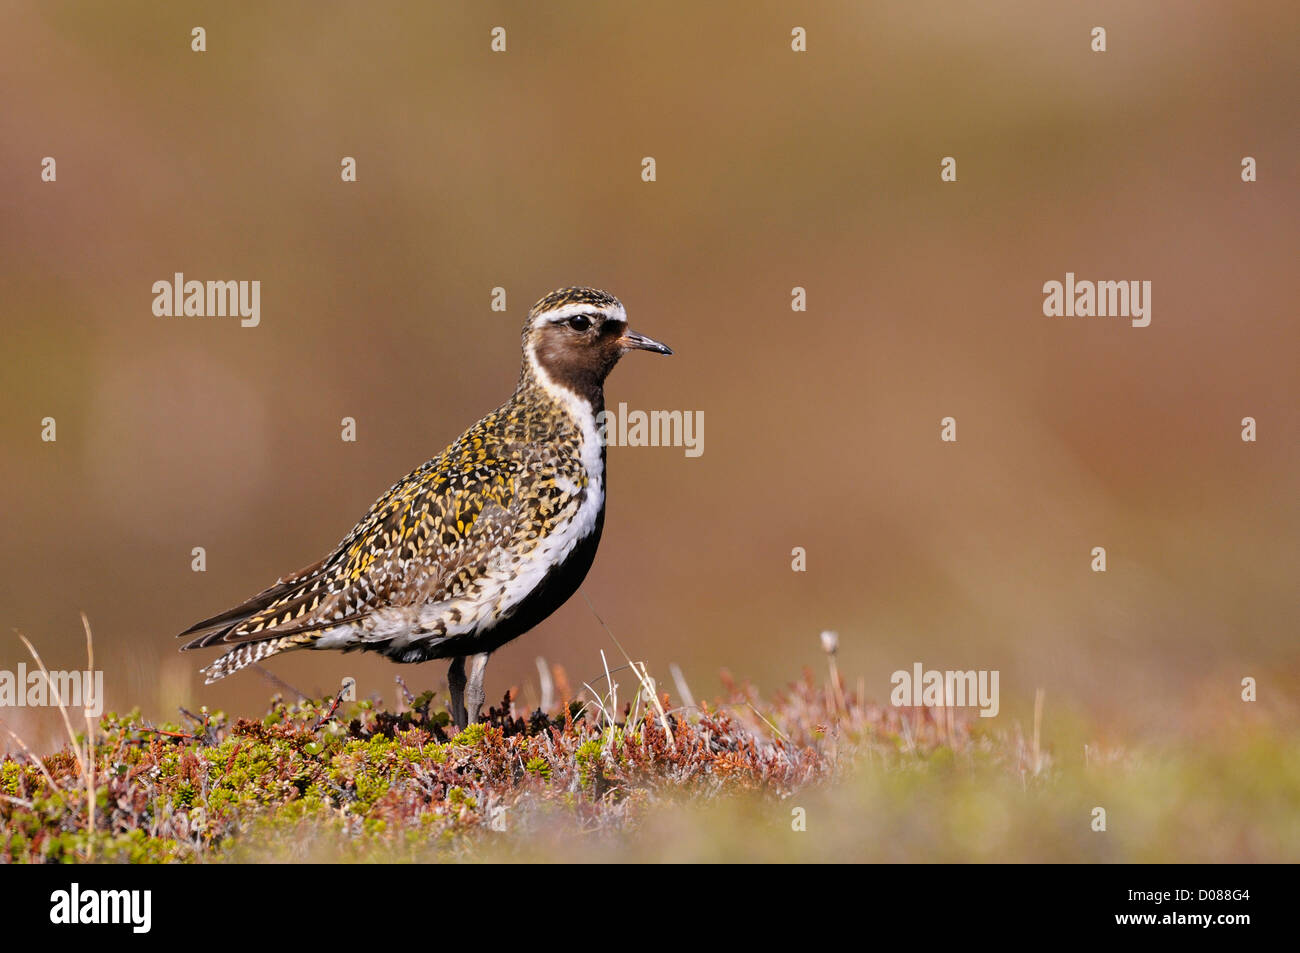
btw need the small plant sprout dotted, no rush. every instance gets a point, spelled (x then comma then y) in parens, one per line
(683, 690)
(1039, 695)
(831, 645)
(547, 684)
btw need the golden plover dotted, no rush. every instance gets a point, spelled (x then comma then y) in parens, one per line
(478, 545)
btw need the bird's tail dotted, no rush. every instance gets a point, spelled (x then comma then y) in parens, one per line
(246, 654)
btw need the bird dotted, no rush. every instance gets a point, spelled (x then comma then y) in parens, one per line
(476, 546)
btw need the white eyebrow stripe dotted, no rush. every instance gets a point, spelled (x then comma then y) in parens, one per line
(612, 313)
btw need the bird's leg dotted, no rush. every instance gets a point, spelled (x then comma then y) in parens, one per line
(456, 689)
(474, 690)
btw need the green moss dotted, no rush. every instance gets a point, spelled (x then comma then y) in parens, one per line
(434, 752)
(183, 795)
(588, 758)
(471, 736)
(369, 788)
(10, 773)
(457, 797)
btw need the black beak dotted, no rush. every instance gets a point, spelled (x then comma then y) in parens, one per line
(633, 341)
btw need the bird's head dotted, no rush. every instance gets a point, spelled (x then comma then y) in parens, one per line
(574, 336)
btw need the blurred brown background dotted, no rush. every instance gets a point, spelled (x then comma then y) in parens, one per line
(775, 169)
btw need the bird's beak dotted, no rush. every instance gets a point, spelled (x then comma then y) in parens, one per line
(634, 341)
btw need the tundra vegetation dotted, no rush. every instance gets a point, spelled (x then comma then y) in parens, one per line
(814, 772)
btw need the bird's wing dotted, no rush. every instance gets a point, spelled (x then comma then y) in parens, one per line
(299, 602)
(281, 591)
(428, 538)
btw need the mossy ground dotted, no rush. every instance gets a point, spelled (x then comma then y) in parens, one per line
(803, 776)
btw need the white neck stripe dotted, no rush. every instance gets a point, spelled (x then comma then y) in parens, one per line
(582, 413)
(575, 405)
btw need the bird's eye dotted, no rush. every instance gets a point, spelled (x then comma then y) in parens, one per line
(579, 322)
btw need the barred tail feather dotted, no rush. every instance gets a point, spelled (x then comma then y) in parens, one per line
(243, 655)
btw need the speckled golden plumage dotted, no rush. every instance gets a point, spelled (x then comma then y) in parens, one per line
(478, 544)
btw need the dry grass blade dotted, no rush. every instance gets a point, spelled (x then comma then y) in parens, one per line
(58, 697)
(779, 733)
(648, 686)
(276, 680)
(85, 755)
(663, 718)
(613, 694)
(547, 684)
(598, 698)
(90, 733)
(683, 690)
(1038, 722)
